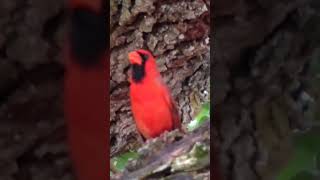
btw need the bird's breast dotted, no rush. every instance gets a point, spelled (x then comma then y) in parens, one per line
(151, 113)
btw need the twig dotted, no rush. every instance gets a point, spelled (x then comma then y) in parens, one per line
(169, 153)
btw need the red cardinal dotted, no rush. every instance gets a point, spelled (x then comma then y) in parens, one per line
(86, 90)
(152, 106)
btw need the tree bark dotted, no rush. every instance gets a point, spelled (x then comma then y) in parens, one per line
(174, 31)
(32, 133)
(262, 51)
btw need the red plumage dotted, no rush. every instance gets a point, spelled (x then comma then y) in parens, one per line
(152, 105)
(85, 92)
(95, 5)
(85, 111)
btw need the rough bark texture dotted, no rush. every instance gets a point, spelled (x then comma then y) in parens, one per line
(262, 52)
(173, 156)
(32, 133)
(174, 31)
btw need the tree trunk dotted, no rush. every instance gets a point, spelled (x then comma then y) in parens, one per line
(262, 51)
(32, 133)
(174, 31)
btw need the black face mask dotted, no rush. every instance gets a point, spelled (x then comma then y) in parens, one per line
(88, 36)
(138, 71)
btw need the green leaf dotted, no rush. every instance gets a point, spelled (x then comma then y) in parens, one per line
(120, 162)
(300, 162)
(304, 175)
(306, 149)
(308, 141)
(318, 161)
(201, 117)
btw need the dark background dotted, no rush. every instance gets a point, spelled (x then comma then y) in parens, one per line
(32, 131)
(264, 57)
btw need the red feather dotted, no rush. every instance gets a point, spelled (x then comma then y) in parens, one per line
(95, 5)
(85, 107)
(152, 105)
(86, 92)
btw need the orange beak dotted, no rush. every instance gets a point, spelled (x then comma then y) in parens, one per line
(135, 58)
